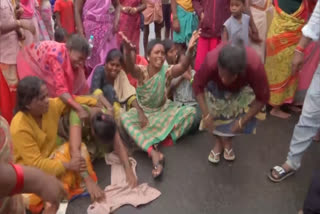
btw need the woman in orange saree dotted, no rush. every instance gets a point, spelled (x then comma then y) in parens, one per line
(283, 36)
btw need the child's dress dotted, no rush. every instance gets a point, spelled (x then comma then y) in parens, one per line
(238, 29)
(65, 9)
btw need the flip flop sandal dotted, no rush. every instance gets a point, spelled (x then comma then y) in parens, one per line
(281, 172)
(214, 157)
(226, 155)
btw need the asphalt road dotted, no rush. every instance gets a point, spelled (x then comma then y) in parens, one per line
(191, 184)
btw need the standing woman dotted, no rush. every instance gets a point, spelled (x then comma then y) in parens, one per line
(283, 37)
(231, 88)
(129, 22)
(8, 54)
(100, 19)
(262, 12)
(152, 14)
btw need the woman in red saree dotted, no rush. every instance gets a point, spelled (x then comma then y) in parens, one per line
(129, 22)
(60, 66)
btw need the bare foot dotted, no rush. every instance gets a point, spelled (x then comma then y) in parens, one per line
(277, 112)
(294, 108)
(157, 159)
(96, 193)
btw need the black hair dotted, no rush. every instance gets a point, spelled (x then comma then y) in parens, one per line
(78, 43)
(104, 127)
(233, 57)
(153, 43)
(115, 54)
(60, 35)
(168, 44)
(28, 89)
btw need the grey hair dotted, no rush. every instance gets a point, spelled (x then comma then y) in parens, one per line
(233, 57)
(78, 43)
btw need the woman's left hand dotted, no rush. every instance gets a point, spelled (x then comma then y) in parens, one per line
(131, 178)
(237, 126)
(194, 39)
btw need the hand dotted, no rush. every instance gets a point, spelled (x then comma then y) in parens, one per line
(201, 17)
(27, 25)
(254, 35)
(83, 114)
(74, 164)
(96, 193)
(297, 62)
(237, 126)
(133, 10)
(143, 119)
(194, 39)
(51, 189)
(131, 178)
(18, 11)
(125, 9)
(127, 43)
(176, 25)
(208, 123)
(187, 75)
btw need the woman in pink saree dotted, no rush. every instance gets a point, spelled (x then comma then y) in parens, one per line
(98, 18)
(60, 66)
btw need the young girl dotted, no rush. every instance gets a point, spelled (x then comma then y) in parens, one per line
(153, 13)
(237, 26)
(171, 52)
(63, 10)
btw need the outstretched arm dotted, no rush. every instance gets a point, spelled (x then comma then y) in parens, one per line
(130, 57)
(185, 61)
(122, 152)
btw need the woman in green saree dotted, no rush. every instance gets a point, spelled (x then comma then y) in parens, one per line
(165, 118)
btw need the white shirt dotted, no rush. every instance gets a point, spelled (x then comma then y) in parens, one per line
(312, 28)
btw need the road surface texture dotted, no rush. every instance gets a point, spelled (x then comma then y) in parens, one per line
(192, 185)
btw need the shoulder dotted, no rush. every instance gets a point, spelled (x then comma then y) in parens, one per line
(245, 18)
(228, 21)
(20, 122)
(99, 70)
(254, 63)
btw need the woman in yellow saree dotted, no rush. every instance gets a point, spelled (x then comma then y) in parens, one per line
(34, 131)
(283, 36)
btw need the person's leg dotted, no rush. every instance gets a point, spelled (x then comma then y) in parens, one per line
(311, 204)
(157, 29)
(202, 51)
(214, 156)
(145, 38)
(228, 149)
(306, 128)
(166, 8)
(277, 112)
(157, 161)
